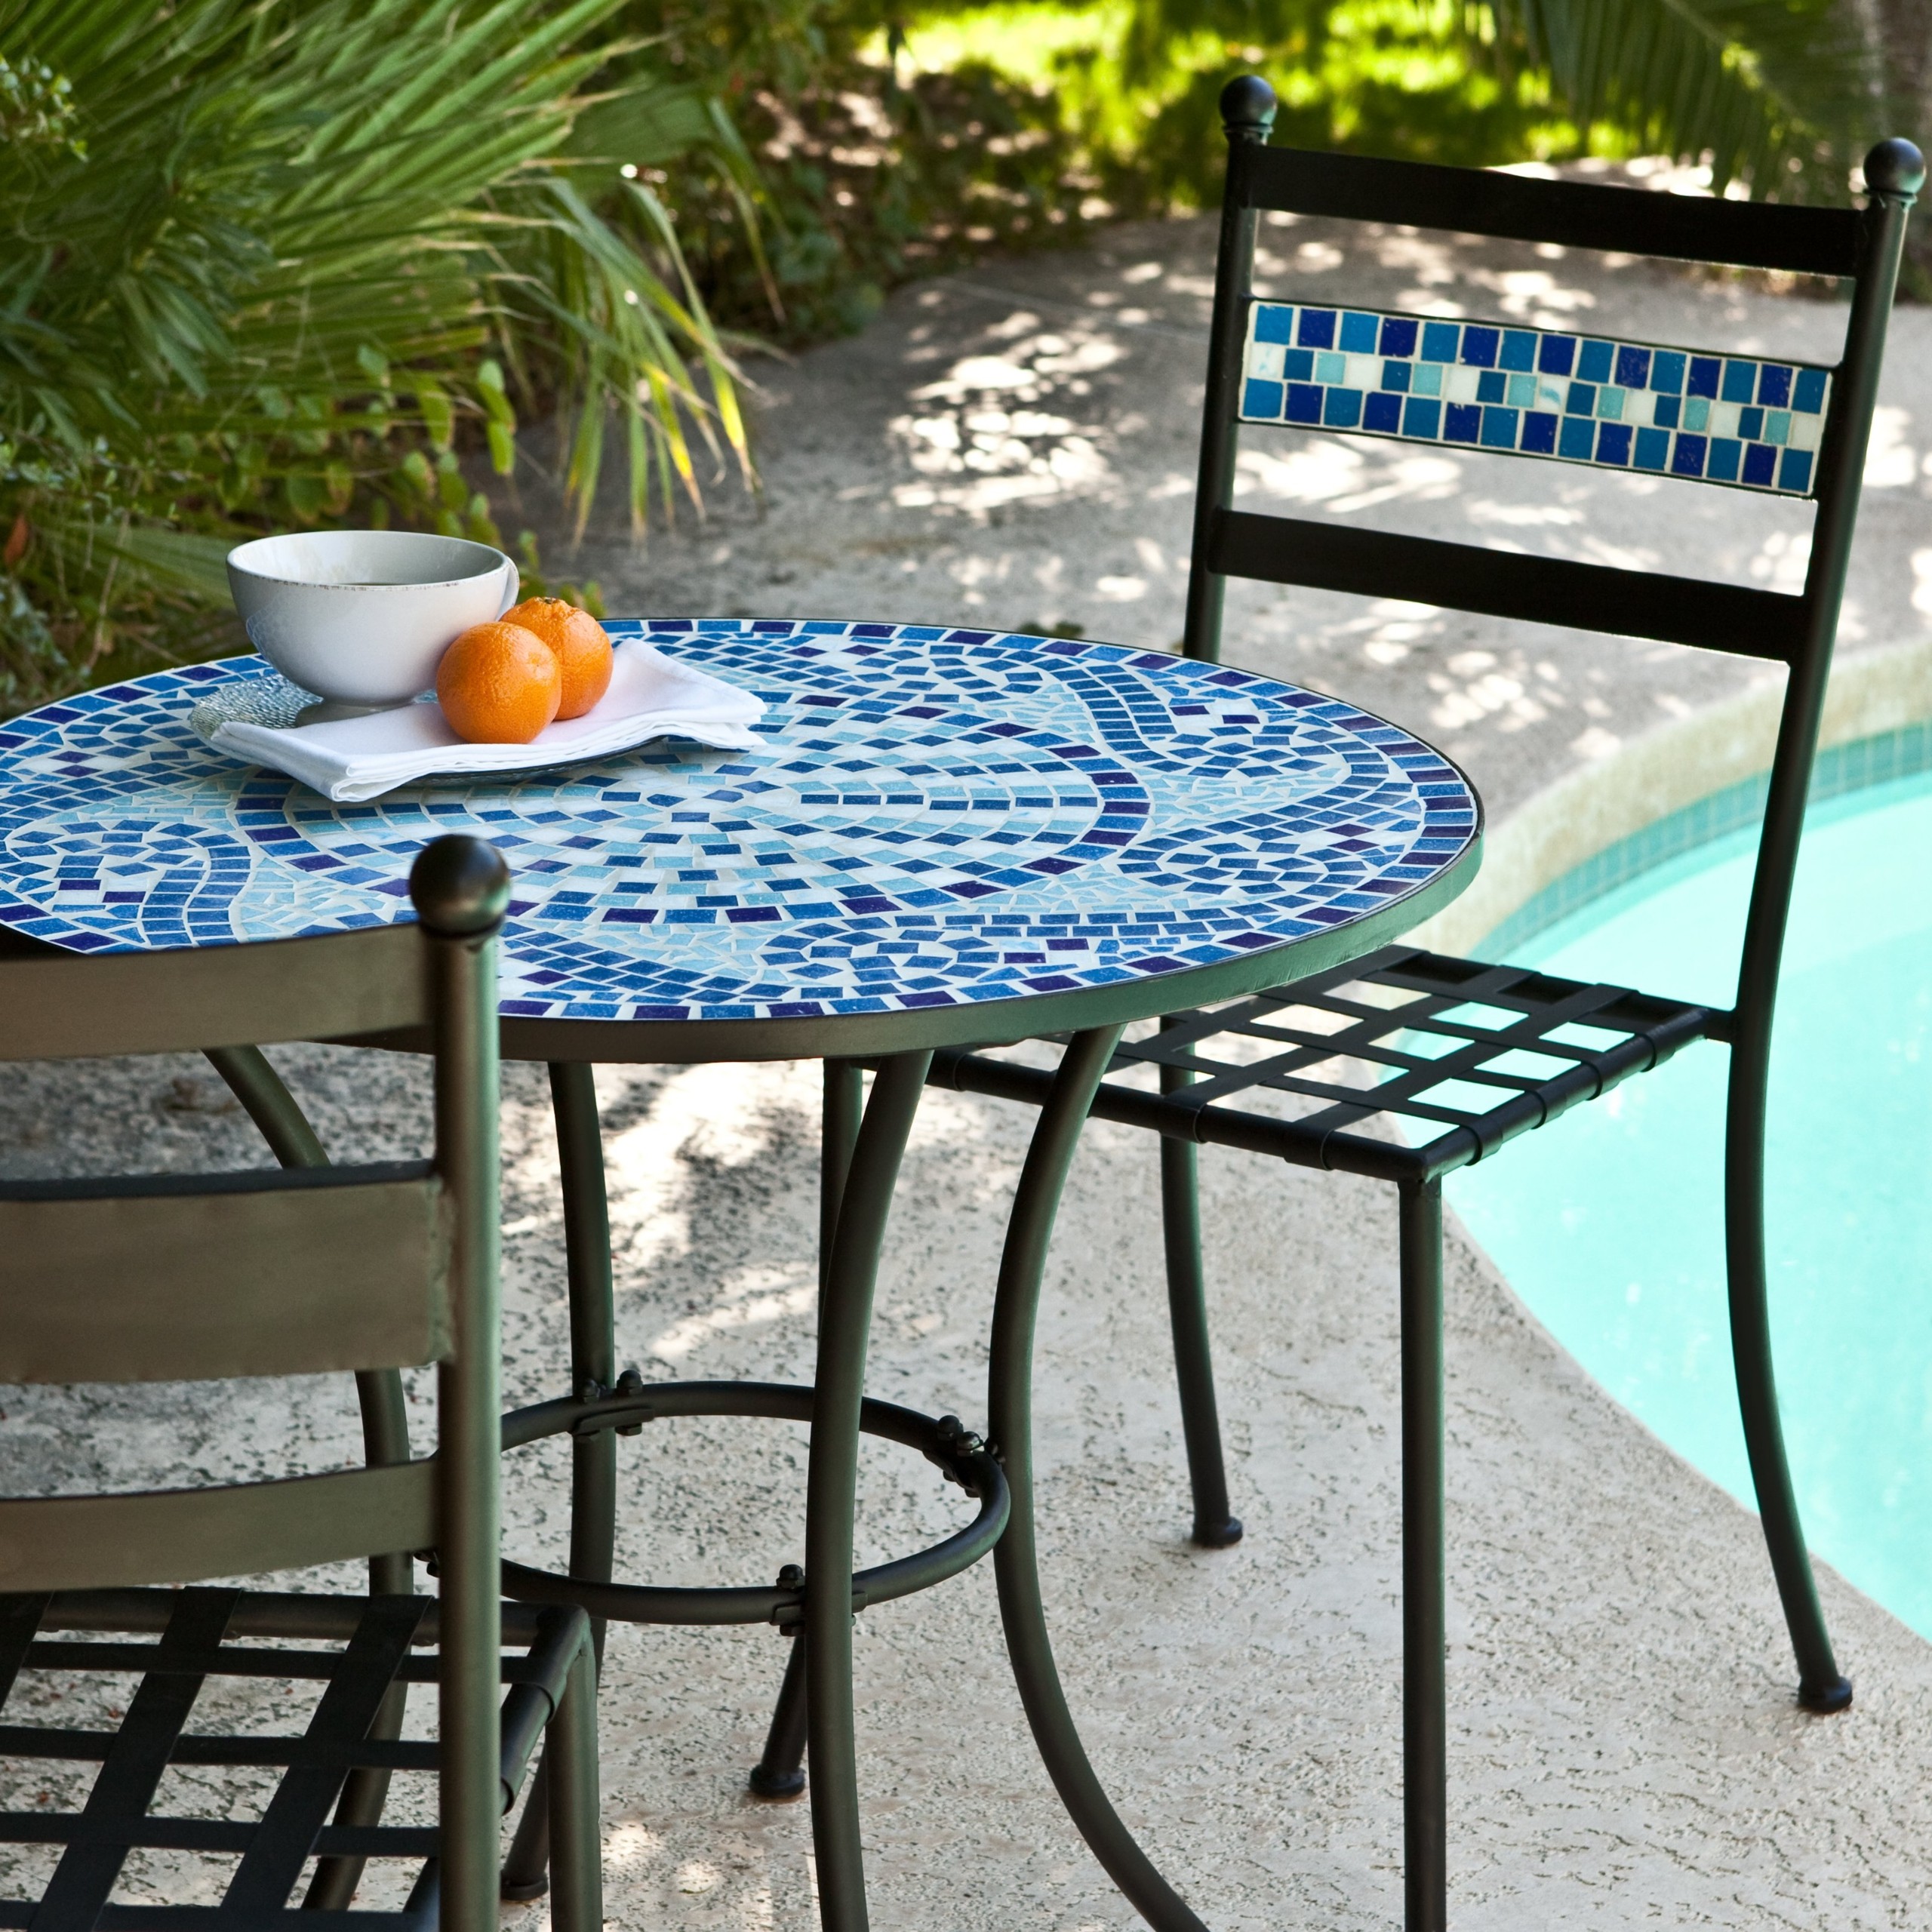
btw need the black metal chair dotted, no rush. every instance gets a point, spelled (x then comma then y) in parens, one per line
(1459, 1056)
(210, 1276)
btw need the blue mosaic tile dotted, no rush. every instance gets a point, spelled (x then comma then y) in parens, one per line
(1740, 421)
(939, 818)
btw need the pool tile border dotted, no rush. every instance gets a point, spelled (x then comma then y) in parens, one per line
(1877, 760)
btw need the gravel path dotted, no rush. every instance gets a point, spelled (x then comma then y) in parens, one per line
(1625, 1748)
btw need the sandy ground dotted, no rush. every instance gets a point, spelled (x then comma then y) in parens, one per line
(1625, 1748)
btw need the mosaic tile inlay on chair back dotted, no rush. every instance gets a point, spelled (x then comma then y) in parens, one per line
(1623, 405)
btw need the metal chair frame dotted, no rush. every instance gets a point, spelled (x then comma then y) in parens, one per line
(1262, 1074)
(316, 1269)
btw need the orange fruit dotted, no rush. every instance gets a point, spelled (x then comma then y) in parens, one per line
(499, 683)
(582, 649)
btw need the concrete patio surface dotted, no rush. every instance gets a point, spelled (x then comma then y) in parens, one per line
(1625, 1748)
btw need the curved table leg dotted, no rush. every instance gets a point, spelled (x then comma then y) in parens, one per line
(1016, 1560)
(593, 1361)
(779, 1773)
(844, 1320)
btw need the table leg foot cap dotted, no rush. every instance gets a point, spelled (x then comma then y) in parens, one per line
(1825, 1699)
(776, 1787)
(1223, 1535)
(520, 1891)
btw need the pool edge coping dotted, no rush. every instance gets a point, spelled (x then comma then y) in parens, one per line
(1705, 771)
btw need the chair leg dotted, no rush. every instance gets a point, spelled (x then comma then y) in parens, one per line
(1425, 1717)
(779, 1773)
(570, 1795)
(593, 1361)
(1215, 1526)
(1820, 1686)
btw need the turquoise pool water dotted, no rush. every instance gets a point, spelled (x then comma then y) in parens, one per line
(1610, 1224)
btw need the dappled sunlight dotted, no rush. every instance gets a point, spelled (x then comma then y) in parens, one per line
(1478, 684)
(1343, 475)
(728, 1115)
(750, 1298)
(980, 422)
(1892, 462)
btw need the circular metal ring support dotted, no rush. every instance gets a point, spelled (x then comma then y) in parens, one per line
(962, 1457)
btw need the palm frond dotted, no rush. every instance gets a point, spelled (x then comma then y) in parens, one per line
(263, 258)
(1778, 93)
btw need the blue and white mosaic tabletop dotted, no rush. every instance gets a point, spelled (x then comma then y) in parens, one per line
(1752, 422)
(940, 818)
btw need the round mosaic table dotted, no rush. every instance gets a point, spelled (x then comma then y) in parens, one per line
(950, 837)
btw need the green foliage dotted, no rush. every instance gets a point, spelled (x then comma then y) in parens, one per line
(1780, 94)
(276, 262)
(851, 171)
(270, 262)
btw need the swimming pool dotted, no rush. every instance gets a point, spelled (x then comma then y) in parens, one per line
(1610, 1223)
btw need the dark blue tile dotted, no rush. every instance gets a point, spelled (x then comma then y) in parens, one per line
(1704, 373)
(1382, 413)
(1499, 428)
(1760, 462)
(1304, 403)
(1480, 345)
(1398, 336)
(1463, 424)
(1795, 471)
(1688, 458)
(1808, 392)
(1260, 398)
(1492, 386)
(1273, 325)
(1721, 465)
(1359, 335)
(1439, 340)
(1633, 367)
(1740, 381)
(1539, 432)
(1518, 351)
(1595, 361)
(1613, 442)
(1653, 449)
(1558, 354)
(1395, 376)
(1774, 386)
(1422, 416)
(1317, 329)
(1342, 409)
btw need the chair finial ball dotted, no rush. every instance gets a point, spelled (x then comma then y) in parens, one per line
(1247, 106)
(460, 885)
(1895, 168)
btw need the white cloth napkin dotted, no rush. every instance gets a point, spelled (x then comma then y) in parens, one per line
(351, 759)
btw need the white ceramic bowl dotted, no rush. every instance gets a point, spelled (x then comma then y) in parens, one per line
(363, 617)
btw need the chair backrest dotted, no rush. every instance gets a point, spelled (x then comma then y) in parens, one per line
(1781, 428)
(202, 1276)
